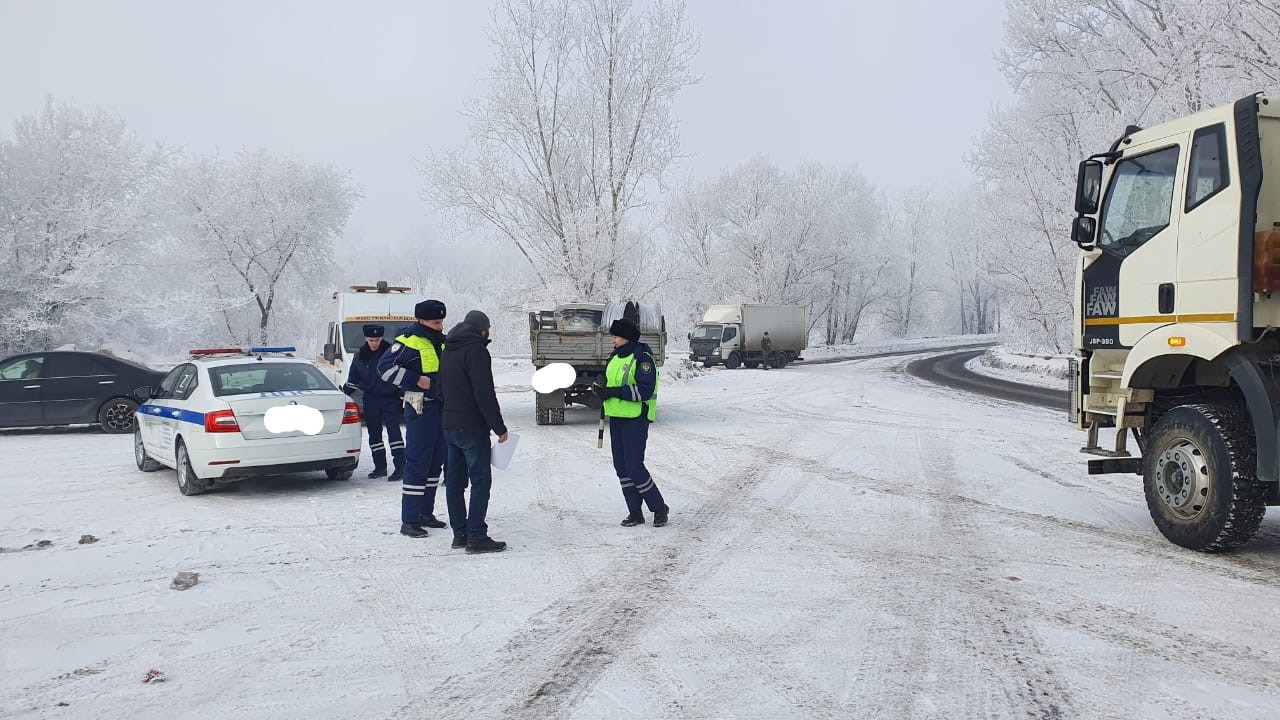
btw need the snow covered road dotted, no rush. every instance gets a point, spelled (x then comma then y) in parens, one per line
(846, 542)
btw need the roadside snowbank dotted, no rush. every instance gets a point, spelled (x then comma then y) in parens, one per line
(1048, 371)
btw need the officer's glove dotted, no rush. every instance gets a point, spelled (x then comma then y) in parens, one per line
(605, 393)
(349, 389)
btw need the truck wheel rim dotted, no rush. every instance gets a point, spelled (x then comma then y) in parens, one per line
(1182, 479)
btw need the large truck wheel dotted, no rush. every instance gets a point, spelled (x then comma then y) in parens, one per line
(733, 362)
(781, 360)
(752, 364)
(550, 416)
(1199, 474)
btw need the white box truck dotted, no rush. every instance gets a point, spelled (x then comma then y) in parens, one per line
(381, 304)
(730, 335)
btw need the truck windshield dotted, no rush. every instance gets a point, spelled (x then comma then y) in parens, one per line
(707, 332)
(1140, 201)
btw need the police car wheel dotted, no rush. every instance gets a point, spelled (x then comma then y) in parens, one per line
(338, 474)
(140, 456)
(188, 483)
(116, 416)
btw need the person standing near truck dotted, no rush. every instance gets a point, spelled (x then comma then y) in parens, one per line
(766, 349)
(630, 398)
(413, 364)
(381, 403)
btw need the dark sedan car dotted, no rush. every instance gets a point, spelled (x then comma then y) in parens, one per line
(68, 388)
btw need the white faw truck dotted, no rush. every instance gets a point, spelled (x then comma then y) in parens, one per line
(730, 335)
(381, 304)
(1177, 309)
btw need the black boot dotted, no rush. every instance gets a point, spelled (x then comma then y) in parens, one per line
(660, 518)
(413, 530)
(377, 473)
(485, 545)
(396, 475)
(459, 541)
(430, 521)
(633, 520)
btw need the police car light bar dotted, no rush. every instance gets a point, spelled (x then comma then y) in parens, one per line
(273, 350)
(216, 351)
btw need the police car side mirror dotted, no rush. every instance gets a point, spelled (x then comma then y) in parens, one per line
(330, 352)
(144, 393)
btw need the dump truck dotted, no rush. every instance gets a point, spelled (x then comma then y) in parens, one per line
(390, 306)
(730, 335)
(1177, 303)
(578, 334)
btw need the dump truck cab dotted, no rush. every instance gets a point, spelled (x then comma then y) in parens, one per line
(1175, 317)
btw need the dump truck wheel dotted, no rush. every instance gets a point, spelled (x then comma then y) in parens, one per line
(550, 416)
(1199, 475)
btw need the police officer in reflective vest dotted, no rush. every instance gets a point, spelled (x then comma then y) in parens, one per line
(413, 365)
(381, 403)
(630, 398)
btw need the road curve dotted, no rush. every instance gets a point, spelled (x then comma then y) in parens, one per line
(949, 370)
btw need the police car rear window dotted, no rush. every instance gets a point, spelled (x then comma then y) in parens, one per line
(266, 377)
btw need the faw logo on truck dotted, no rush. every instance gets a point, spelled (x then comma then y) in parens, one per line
(1104, 301)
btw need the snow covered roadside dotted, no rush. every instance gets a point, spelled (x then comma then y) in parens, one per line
(1049, 371)
(871, 347)
(846, 541)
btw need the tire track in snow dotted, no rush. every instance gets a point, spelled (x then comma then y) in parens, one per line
(551, 664)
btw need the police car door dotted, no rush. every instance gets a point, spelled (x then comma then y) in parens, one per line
(1124, 289)
(162, 417)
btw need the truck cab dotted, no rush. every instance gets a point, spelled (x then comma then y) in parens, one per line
(349, 311)
(1175, 317)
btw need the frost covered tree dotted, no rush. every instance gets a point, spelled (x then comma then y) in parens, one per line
(77, 195)
(1081, 71)
(572, 137)
(760, 233)
(261, 230)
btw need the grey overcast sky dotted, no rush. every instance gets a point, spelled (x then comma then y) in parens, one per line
(900, 88)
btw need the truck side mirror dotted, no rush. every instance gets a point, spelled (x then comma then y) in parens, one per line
(1088, 187)
(1083, 230)
(330, 351)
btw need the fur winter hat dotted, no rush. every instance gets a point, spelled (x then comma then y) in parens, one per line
(429, 310)
(372, 331)
(626, 329)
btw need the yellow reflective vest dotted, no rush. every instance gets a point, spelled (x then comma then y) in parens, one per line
(621, 372)
(426, 351)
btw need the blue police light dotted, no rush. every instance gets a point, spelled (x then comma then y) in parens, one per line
(273, 350)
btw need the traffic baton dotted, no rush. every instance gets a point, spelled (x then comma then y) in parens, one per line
(600, 432)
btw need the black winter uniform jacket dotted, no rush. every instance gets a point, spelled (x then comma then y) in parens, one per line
(466, 371)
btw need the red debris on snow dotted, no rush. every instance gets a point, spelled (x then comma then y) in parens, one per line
(154, 676)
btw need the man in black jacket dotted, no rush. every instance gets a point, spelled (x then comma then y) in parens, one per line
(470, 412)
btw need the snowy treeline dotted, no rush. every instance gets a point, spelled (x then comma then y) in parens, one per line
(110, 243)
(1081, 72)
(568, 163)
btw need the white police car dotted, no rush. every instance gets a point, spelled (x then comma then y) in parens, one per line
(228, 414)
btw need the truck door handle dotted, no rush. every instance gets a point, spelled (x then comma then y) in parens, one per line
(1166, 297)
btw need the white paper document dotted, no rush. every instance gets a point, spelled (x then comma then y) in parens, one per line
(502, 452)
